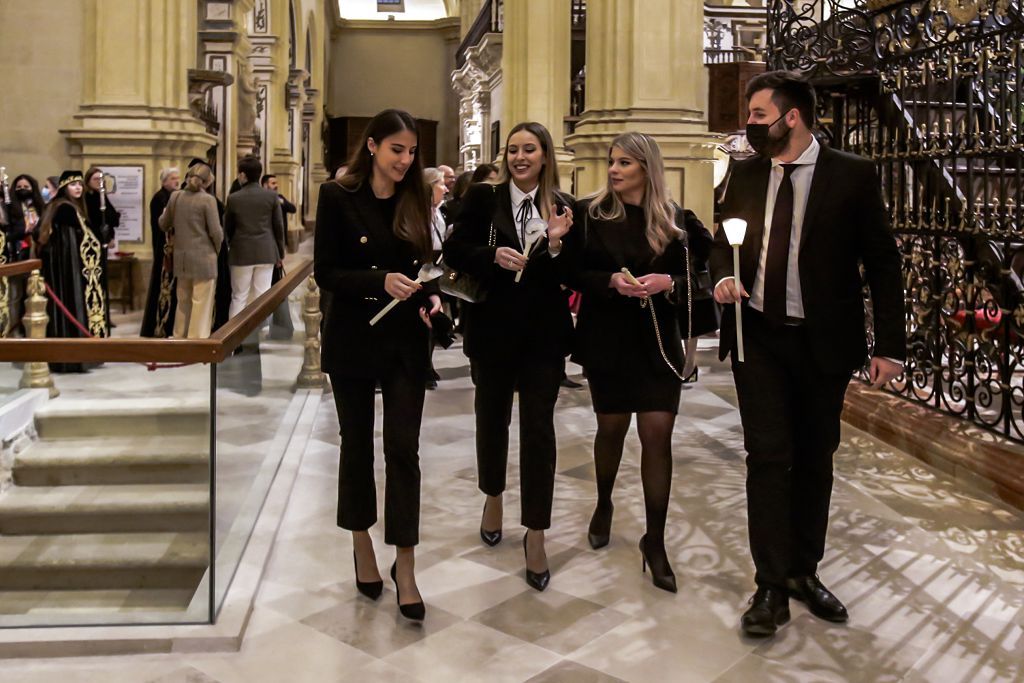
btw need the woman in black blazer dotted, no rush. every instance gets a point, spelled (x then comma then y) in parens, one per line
(631, 352)
(519, 336)
(372, 236)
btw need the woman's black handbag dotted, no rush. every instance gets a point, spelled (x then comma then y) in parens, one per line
(463, 285)
(705, 316)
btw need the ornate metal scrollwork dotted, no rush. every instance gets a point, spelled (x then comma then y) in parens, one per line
(932, 91)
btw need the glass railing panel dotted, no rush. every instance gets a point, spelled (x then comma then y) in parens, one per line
(105, 497)
(257, 410)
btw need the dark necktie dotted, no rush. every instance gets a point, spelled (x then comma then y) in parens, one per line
(776, 266)
(523, 215)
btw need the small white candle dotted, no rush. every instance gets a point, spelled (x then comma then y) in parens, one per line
(735, 231)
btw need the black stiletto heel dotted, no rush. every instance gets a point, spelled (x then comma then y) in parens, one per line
(416, 611)
(599, 533)
(663, 579)
(536, 580)
(371, 589)
(491, 538)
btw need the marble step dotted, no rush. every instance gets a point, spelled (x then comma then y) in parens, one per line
(104, 509)
(103, 561)
(128, 460)
(81, 418)
(121, 604)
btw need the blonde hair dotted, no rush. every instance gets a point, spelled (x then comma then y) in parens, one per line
(606, 205)
(548, 181)
(198, 178)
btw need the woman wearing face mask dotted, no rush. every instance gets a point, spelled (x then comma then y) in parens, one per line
(26, 209)
(631, 352)
(25, 212)
(372, 237)
(518, 338)
(49, 190)
(70, 252)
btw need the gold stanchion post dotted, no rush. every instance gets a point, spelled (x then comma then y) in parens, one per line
(36, 375)
(310, 377)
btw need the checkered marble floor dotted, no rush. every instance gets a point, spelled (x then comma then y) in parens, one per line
(932, 571)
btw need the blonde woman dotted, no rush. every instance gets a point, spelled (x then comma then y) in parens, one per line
(191, 216)
(631, 366)
(518, 338)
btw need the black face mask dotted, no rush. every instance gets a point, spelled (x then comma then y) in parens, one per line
(760, 138)
(23, 195)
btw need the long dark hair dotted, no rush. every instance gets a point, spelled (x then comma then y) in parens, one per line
(37, 197)
(93, 170)
(548, 181)
(46, 224)
(412, 214)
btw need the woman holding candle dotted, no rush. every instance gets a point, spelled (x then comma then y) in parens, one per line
(372, 237)
(518, 338)
(633, 273)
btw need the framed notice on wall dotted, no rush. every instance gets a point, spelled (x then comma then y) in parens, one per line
(125, 188)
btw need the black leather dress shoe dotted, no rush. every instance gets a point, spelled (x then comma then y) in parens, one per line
(769, 609)
(810, 591)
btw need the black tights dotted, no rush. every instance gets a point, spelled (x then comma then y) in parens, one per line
(655, 430)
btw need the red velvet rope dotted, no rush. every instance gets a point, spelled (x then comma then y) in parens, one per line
(151, 367)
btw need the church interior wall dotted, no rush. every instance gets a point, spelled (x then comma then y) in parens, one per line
(380, 67)
(41, 47)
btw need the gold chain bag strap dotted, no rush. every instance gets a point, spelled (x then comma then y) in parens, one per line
(463, 285)
(648, 303)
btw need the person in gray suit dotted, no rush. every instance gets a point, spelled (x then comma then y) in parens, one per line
(255, 228)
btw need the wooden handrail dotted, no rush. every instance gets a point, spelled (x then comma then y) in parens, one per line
(126, 350)
(20, 267)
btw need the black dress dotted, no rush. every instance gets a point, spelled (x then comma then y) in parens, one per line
(615, 338)
(71, 266)
(161, 298)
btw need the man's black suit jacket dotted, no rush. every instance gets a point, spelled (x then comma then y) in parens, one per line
(845, 225)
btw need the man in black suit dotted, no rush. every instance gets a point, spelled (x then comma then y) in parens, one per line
(814, 216)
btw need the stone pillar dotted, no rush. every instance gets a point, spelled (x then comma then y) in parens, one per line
(645, 73)
(535, 64)
(135, 101)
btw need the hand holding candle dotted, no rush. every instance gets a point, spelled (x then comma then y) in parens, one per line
(535, 229)
(428, 272)
(735, 231)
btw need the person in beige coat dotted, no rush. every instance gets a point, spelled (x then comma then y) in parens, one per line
(191, 217)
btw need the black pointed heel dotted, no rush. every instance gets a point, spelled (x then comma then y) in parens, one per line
(693, 376)
(371, 589)
(600, 532)
(663, 578)
(536, 580)
(491, 538)
(416, 611)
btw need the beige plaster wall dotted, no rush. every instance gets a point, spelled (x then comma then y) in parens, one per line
(378, 67)
(41, 60)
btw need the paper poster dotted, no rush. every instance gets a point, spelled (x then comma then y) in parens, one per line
(125, 191)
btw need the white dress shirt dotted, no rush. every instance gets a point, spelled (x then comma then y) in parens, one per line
(517, 200)
(438, 230)
(801, 178)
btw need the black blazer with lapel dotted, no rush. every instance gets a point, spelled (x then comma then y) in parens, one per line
(845, 225)
(355, 249)
(613, 333)
(530, 317)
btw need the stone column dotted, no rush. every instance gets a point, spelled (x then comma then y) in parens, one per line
(134, 109)
(535, 64)
(645, 73)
